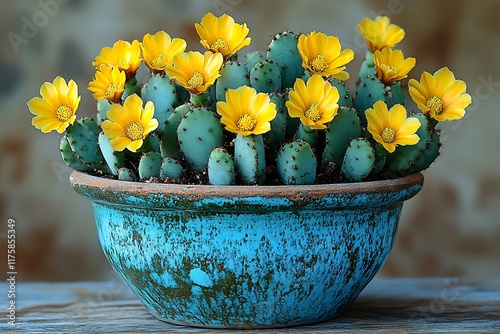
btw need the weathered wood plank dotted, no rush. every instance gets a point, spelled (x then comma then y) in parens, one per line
(386, 306)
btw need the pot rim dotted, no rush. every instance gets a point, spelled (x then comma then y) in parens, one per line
(195, 192)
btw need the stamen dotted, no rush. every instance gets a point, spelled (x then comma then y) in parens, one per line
(196, 80)
(313, 112)
(246, 123)
(388, 135)
(134, 131)
(435, 105)
(64, 112)
(318, 65)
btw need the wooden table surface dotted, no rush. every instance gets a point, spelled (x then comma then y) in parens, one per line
(443, 305)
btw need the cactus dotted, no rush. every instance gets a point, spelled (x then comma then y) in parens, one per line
(70, 158)
(163, 93)
(345, 97)
(307, 134)
(220, 168)
(359, 160)
(249, 159)
(344, 127)
(182, 93)
(126, 174)
(265, 77)
(252, 58)
(92, 125)
(171, 170)
(102, 108)
(277, 134)
(149, 165)
(84, 144)
(169, 143)
(199, 132)
(367, 66)
(370, 90)
(396, 94)
(410, 159)
(296, 163)
(233, 75)
(283, 50)
(131, 88)
(114, 159)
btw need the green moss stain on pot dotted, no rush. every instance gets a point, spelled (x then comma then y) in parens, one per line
(246, 261)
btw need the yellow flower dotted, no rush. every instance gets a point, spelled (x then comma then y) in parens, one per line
(392, 127)
(159, 50)
(380, 33)
(440, 96)
(321, 55)
(221, 34)
(128, 125)
(391, 65)
(108, 84)
(245, 112)
(56, 109)
(126, 56)
(195, 71)
(315, 104)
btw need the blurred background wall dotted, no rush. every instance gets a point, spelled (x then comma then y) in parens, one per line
(452, 228)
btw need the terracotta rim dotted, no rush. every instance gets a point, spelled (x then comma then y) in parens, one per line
(295, 191)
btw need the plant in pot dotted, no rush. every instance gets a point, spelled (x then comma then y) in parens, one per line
(250, 191)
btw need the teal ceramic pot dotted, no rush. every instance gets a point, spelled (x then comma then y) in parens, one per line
(246, 257)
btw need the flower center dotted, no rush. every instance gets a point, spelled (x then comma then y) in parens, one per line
(435, 105)
(159, 61)
(219, 44)
(196, 80)
(388, 135)
(110, 91)
(134, 131)
(313, 112)
(246, 123)
(63, 113)
(319, 64)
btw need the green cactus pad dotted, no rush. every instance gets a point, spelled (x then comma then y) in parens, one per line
(344, 127)
(163, 93)
(359, 160)
(182, 93)
(345, 97)
(171, 170)
(102, 109)
(367, 66)
(199, 132)
(296, 163)
(252, 58)
(307, 134)
(277, 134)
(220, 168)
(396, 94)
(84, 144)
(169, 143)
(131, 88)
(70, 157)
(265, 77)
(233, 75)
(92, 125)
(283, 50)
(114, 159)
(249, 159)
(126, 174)
(370, 90)
(149, 165)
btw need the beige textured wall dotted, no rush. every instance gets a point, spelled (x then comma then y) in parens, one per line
(452, 228)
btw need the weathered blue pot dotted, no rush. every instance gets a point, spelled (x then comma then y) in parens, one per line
(246, 257)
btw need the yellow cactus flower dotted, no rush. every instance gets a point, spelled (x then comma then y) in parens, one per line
(222, 34)
(440, 96)
(158, 50)
(127, 126)
(56, 109)
(245, 112)
(380, 33)
(315, 103)
(125, 55)
(391, 127)
(391, 65)
(321, 55)
(195, 71)
(108, 84)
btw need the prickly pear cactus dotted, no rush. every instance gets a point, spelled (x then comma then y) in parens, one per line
(359, 160)
(169, 144)
(70, 158)
(345, 97)
(249, 159)
(296, 163)
(370, 90)
(344, 127)
(149, 165)
(283, 50)
(233, 75)
(252, 58)
(221, 168)
(199, 132)
(265, 77)
(163, 93)
(114, 159)
(126, 174)
(84, 143)
(171, 170)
